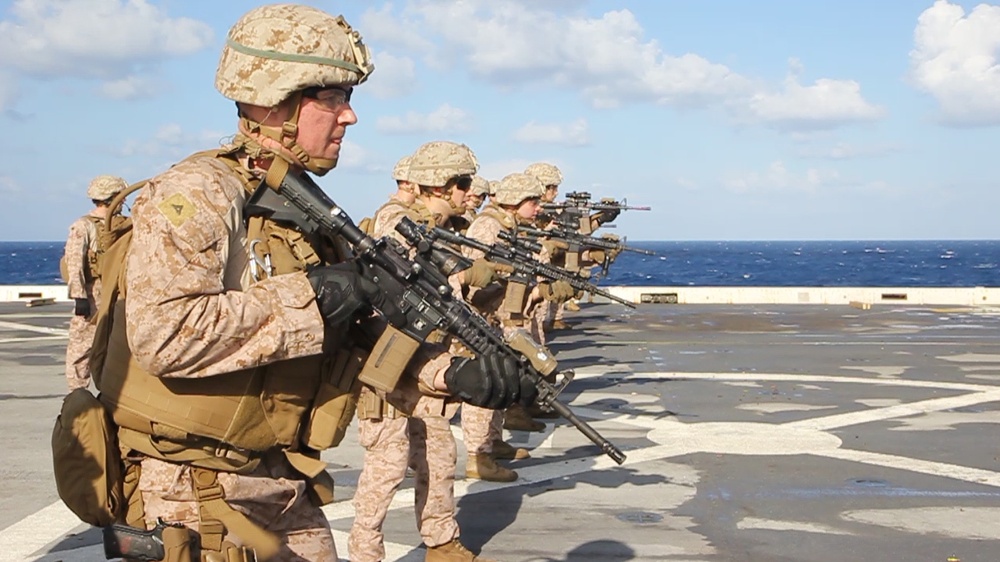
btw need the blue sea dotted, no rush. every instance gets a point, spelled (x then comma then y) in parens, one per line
(965, 263)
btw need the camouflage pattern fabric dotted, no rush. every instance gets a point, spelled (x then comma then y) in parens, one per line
(81, 239)
(436, 162)
(270, 496)
(103, 188)
(192, 308)
(423, 441)
(546, 173)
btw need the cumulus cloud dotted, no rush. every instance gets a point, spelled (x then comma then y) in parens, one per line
(109, 40)
(128, 88)
(606, 58)
(445, 119)
(171, 140)
(954, 59)
(9, 186)
(9, 91)
(496, 170)
(847, 151)
(777, 177)
(396, 76)
(570, 134)
(355, 157)
(825, 104)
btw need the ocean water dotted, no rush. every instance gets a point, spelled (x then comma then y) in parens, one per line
(965, 263)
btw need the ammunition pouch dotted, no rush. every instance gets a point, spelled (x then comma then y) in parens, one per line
(388, 359)
(371, 406)
(336, 400)
(515, 298)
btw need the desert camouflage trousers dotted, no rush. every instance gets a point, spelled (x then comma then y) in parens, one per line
(480, 427)
(81, 339)
(273, 496)
(423, 441)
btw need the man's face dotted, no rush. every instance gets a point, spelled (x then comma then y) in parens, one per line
(551, 191)
(473, 201)
(529, 208)
(323, 120)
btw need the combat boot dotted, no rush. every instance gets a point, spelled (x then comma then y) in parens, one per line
(453, 551)
(517, 418)
(560, 325)
(482, 467)
(506, 451)
(572, 306)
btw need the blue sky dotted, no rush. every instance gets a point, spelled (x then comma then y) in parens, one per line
(735, 120)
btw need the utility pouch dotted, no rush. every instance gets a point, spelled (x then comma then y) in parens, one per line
(86, 461)
(388, 359)
(336, 400)
(514, 298)
(572, 262)
(539, 357)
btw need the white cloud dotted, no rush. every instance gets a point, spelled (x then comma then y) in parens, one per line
(355, 157)
(9, 91)
(445, 119)
(171, 140)
(570, 134)
(9, 186)
(394, 76)
(778, 178)
(110, 40)
(846, 151)
(827, 103)
(128, 88)
(384, 27)
(496, 170)
(606, 58)
(954, 59)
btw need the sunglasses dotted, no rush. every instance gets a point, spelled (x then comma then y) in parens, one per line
(331, 97)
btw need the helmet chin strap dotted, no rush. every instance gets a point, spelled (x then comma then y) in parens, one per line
(285, 136)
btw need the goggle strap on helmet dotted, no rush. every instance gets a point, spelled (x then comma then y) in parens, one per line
(294, 57)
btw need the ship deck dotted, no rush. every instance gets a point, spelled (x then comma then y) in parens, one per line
(753, 433)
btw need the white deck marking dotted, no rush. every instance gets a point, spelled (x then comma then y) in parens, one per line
(33, 328)
(672, 438)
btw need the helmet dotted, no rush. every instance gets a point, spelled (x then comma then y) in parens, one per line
(103, 188)
(436, 162)
(494, 184)
(546, 173)
(401, 169)
(479, 186)
(274, 51)
(515, 188)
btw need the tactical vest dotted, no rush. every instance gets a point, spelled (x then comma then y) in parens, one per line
(226, 422)
(516, 288)
(91, 267)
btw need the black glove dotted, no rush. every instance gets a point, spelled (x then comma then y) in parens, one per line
(489, 381)
(82, 308)
(341, 291)
(608, 215)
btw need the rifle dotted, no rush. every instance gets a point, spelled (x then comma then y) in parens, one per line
(523, 262)
(583, 240)
(418, 285)
(581, 200)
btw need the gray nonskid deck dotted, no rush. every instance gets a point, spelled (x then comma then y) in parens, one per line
(770, 433)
